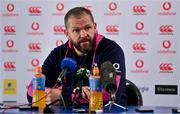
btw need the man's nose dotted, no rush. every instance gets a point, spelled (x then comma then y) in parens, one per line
(83, 33)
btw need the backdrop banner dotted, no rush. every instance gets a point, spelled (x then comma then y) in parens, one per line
(147, 30)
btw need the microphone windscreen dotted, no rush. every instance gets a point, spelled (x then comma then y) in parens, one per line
(83, 72)
(108, 77)
(69, 63)
(83, 75)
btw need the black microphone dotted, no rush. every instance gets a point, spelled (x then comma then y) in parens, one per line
(108, 77)
(67, 65)
(108, 80)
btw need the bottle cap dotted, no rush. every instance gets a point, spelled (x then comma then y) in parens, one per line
(38, 69)
(95, 70)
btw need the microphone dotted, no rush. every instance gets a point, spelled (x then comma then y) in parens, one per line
(108, 77)
(68, 65)
(82, 79)
(82, 76)
(108, 80)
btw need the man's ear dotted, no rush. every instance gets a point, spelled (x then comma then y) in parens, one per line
(95, 25)
(66, 33)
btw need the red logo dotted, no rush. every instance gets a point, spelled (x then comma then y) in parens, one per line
(59, 28)
(10, 7)
(9, 65)
(35, 10)
(10, 43)
(112, 28)
(139, 46)
(35, 26)
(139, 25)
(139, 9)
(34, 46)
(112, 6)
(59, 42)
(166, 28)
(166, 6)
(139, 63)
(60, 6)
(165, 67)
(35, 62)
(166, 44)
(9, 28)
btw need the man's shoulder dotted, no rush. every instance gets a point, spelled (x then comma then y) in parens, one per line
(62, 47)
(105, 42)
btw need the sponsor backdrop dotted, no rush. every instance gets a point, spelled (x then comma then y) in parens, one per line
(147, 30)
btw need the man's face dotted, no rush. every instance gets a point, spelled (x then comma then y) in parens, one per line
(81, 31)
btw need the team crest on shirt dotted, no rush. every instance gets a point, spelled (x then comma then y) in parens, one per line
(117, 67)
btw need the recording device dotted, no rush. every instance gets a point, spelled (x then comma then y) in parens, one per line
(67, 65)
(144, 109)
(176, 110)
(108, 80)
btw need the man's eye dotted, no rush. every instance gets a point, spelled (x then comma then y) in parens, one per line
(76, 30)
(87, 28)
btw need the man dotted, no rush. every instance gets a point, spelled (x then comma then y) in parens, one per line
(87, 47)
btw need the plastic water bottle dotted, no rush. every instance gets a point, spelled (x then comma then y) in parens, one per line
(39, 89)
(96, 97)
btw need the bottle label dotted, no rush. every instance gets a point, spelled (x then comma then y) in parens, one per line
(95, 84)
(39, 83)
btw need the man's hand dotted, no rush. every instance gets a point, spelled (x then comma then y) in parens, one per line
(85, 92)
(53, 94)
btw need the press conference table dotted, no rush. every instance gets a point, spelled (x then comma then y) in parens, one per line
(131, 109)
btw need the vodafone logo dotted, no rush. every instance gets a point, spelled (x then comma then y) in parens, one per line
(60, 6)
(10, 43)
(166, 67)
(166, 28)
(166, 44)
(9, 29)
(112, 28)
(35, 10)
(59, 28)
(35, 62)
(112, 6)
(10, 7)
(139, 9)
(34, 46)
(139, 63)
(35, 26)
(138, 46)
(9, 65)
(166, 6)
(59, 42)
(139, 25)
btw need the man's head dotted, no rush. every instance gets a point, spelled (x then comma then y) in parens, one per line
(80, 29)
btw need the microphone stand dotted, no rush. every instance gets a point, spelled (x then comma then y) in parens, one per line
(112, 101)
